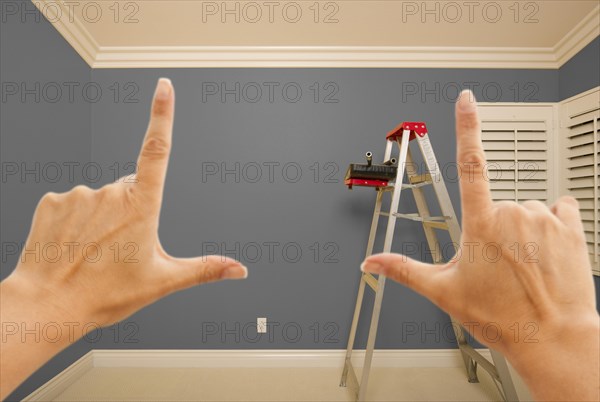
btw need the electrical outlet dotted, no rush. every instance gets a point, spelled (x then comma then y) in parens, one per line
(261, 325)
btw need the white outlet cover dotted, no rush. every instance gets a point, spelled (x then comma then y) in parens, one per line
(261, 325)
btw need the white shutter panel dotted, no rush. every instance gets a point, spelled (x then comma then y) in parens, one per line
(580, 122)
(517, 140)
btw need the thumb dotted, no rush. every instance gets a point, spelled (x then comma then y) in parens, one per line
(422, 278)
(188, 272)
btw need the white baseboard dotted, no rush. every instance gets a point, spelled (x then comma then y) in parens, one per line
(63, 380)
(259, 358)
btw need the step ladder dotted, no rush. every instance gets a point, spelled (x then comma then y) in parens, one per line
(402, 135)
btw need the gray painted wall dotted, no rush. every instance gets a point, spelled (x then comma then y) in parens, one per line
(319, 133)
(201, 209)
(582, 72)
(51, 131)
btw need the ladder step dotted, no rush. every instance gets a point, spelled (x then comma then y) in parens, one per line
(436, 222)
(420, 178)
(436, 225)
(370, 280)
(419, 218)
(409, 186)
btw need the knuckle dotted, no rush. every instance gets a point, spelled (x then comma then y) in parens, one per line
(156, 148)
(531, 203)
(536, 207)
(81, 190)
(49, 199)
(568, 200)
(473, 158)
(399, 273)
(509, 211)
(508, 207)
(210, 271)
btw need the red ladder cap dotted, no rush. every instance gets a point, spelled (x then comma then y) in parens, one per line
(416, 127)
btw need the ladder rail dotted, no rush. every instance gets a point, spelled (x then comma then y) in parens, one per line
(443, 198)
(359, 299)
(430, 235)
(499, 369)
(387, 247)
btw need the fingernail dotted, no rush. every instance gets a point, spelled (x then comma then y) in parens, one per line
(237, 271)
(372, 267)
(163, 89)
(467, 102)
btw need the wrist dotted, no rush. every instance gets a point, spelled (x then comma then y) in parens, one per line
(32, 314)
(565, 354)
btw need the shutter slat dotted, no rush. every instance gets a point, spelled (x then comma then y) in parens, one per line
(583, 139)
(511, 125)
(583, 171)
(586, 160)
(531, 146)
(497, 135)
(501, 155)
(583, 118)
(531, 155)
(580, 129)
(499, 145)
(582, 150)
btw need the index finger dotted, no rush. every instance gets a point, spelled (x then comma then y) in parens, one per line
(154, 155)
(474, 187)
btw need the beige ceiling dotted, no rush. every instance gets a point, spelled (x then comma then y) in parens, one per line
(162, 30)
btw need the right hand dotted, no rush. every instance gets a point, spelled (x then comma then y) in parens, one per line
(539, 293)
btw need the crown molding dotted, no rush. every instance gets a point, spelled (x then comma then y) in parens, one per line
(72, 30)
(579, 37)
(323, 56)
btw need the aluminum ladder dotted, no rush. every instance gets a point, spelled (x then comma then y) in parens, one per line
(402, 135)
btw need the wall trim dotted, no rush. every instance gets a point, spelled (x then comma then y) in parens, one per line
(63, 380)
(579, 37)
(261, 358)
(322, 56)
(72, 30)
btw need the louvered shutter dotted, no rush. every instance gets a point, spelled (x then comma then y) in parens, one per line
(580, 127)
(518, 144)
